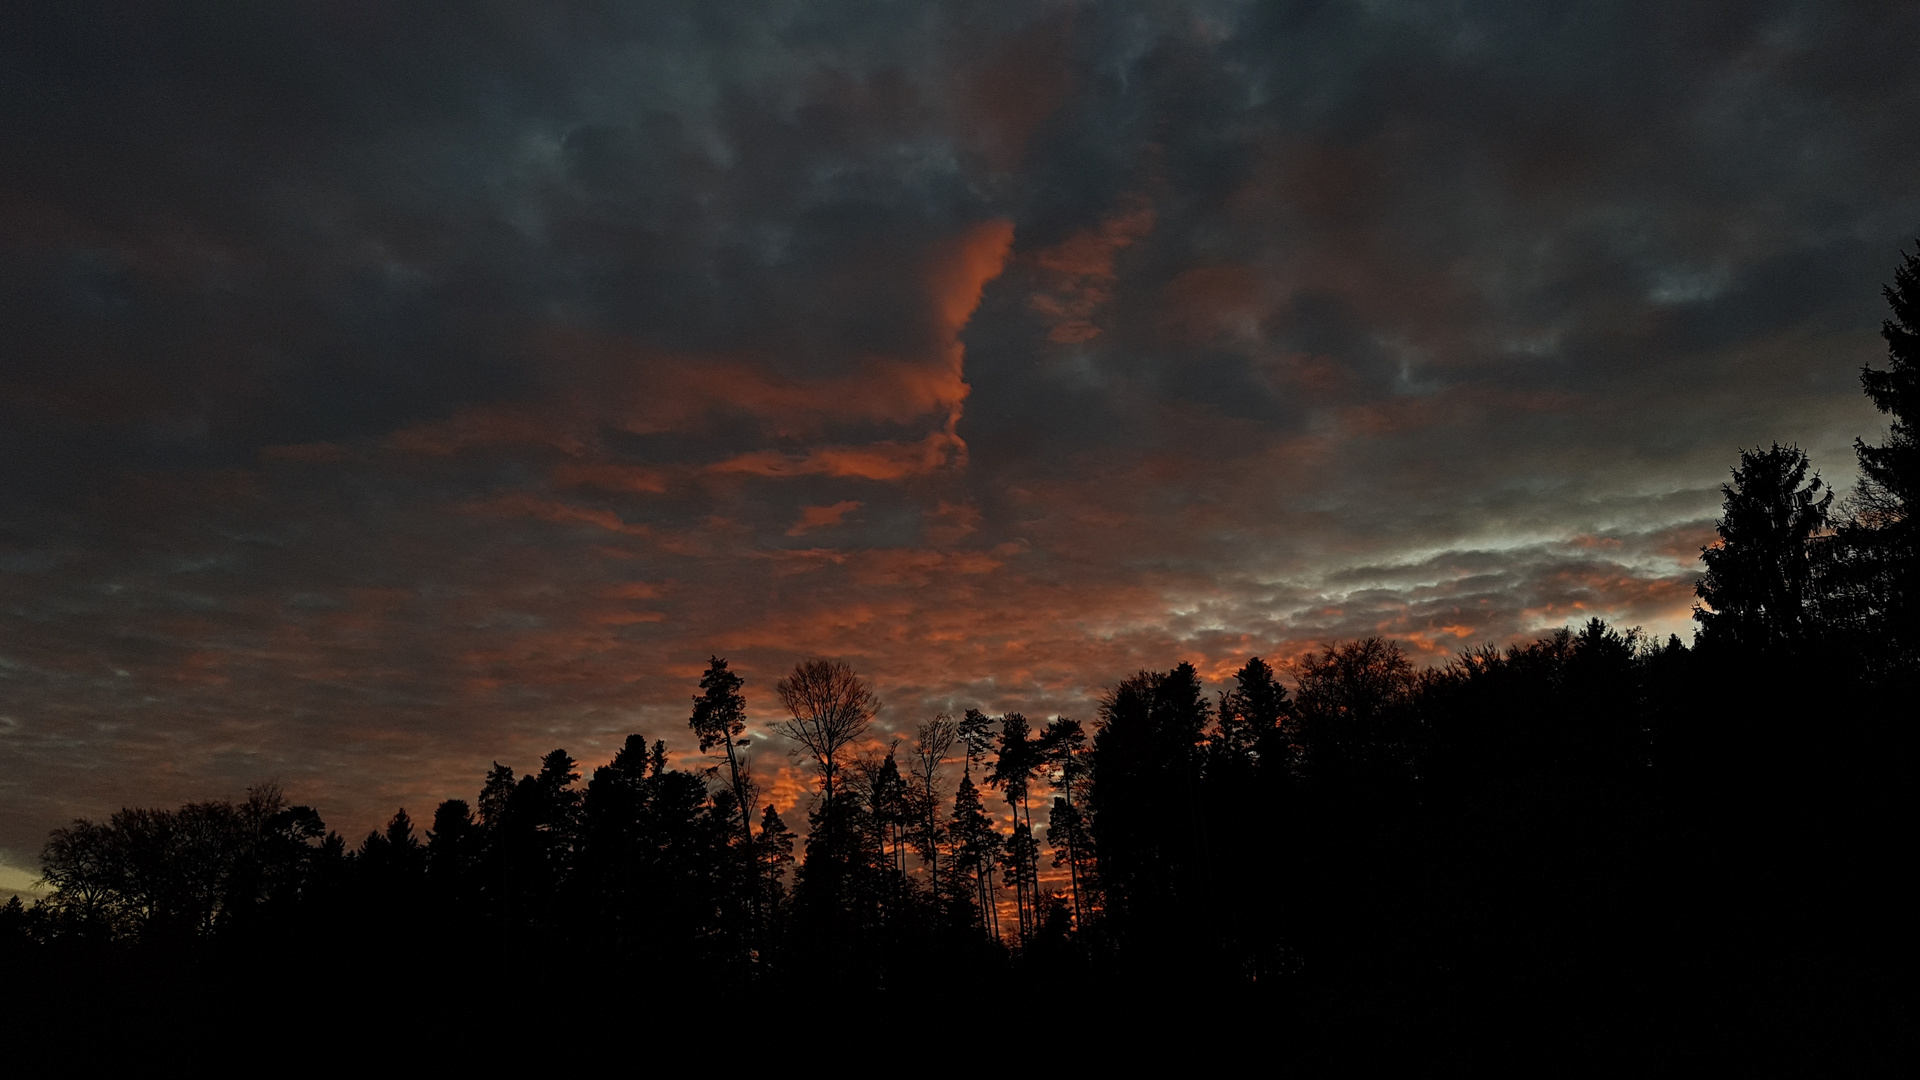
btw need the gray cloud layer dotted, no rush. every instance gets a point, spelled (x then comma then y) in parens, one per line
(389, 388)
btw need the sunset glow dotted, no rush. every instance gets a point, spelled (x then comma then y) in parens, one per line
(377, 412)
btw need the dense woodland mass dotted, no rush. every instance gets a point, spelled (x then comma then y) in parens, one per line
(1626, 834)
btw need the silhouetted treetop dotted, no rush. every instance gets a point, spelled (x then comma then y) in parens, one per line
(1759, 577)
(830, 709)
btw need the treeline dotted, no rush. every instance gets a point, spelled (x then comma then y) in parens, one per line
(1610, 830)
(1219, 836)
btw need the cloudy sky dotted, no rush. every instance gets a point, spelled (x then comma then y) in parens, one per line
(390, 388)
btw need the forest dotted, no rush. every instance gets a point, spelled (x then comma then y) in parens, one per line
(1617, 837)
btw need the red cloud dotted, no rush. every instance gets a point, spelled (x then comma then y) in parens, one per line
(874, 461)
(611, 477)
(821, 517)
(1081, 274)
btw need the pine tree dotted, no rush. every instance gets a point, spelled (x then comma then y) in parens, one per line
(720, 719)
(975, 844)
(1019, 862)
(1063, 750)
(975, 732)
(1012, 773)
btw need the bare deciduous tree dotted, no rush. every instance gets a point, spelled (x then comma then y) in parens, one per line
(933, 740)
(830, 709)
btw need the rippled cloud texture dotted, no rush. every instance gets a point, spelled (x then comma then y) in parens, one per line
(387, 388)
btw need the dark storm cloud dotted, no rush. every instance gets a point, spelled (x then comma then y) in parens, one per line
(389, 388)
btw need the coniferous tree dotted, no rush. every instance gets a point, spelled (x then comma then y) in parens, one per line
(495, 793)
(658, 870)
(773, 851)
(453, 856)
(975, 732)
(557, 808)
(1759, 584)
(891, 806)
(1012, 773)
(884, 816)
(1891, 470)
(976, 844)
(1144, 804)
(1253, 720)
(453, 829)
(16, 933)
(1019, 861)
(1880, 553)
(1062, 749)
(720, 719)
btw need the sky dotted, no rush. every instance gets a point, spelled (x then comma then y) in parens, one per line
(387, 389)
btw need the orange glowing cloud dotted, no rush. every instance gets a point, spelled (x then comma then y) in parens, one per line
(948, 522)
(821, 517)
(631, 387)
(557, 512)
(675, 393)
(961, 271)
(609, 476)
(1082, 272)
(873, 461)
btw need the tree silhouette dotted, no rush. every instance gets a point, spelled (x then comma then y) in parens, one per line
(975, 732)
(454, 851)
(773, 851)
(1144, 802)
(888, 813)
(1880, 556)
(1891, 470)
(830, 708)
(932, 741)
(1759, 578)
(1062, 749)
(975, 845)
(83, 862)
(1013, 770)
(719, 719)
(1352, 703)
(1253, 719)
(495, 793)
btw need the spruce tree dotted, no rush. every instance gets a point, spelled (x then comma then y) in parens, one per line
(1892, 469)
(1883, 542)
(773, 851)
(1759, 580)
